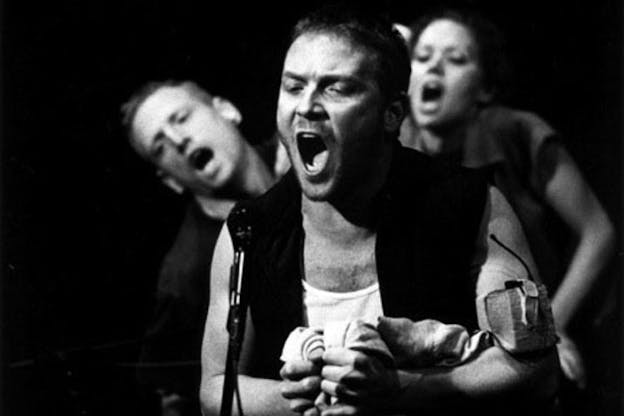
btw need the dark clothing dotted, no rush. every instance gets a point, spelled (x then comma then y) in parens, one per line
(175, 334)
(517, 146)
(428, 216)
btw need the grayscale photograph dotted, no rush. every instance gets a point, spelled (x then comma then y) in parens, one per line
(312, 208)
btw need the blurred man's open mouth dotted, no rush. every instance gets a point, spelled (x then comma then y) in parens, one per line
(200, 157)
(313, 151)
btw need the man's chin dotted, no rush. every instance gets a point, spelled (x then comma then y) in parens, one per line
(316, 192)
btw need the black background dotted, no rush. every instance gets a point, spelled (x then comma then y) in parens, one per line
(84, 221)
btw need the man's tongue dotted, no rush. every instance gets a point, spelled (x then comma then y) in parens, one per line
(318, 162)
(314, 153)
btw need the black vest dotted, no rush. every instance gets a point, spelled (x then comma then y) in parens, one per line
(429, 215)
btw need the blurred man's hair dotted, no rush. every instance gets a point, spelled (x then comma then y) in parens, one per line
(130, 107)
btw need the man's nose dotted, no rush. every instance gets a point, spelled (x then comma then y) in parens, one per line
(309, 105)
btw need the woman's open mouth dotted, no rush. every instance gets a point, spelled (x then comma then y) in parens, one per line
(431, 91)
(313, 151)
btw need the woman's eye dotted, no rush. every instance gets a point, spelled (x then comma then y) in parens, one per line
(421, 57)
(458, 59)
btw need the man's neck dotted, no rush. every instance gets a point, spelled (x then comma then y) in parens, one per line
(354, 212)
(253, 179)
(321, 218)
(216, 208)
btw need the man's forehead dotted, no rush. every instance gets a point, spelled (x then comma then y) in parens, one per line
(327, 50)
(166, 97)
(158, 106)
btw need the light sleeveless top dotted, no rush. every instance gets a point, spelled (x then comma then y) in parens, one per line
(322, 306)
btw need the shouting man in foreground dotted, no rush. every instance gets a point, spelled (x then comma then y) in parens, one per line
(362, 228)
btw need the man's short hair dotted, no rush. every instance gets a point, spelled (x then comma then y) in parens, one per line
(372, 32)
(130, 107)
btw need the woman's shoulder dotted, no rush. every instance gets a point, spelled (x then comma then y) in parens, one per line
(512, 123)
(499, 131)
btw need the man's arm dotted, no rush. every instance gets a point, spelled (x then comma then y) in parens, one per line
(258, 396)
(494, 374)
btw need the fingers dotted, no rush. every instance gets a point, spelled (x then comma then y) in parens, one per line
(301, 405)
(353, 377)
(340, 391)
(340, 356)
(297, 370)
(313, 411)
(347, 367)
(343, 409)
(301, 395)
(386, 323)
(307, 388)
(344, 374)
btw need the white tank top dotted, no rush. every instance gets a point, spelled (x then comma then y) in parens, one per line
(322, 306)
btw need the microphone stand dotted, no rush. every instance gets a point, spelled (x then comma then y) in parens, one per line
(241, 237)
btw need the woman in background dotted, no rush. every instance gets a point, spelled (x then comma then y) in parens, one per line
(458, 72)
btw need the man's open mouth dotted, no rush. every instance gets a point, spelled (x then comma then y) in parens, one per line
(200, 157)
(431, 91)
(313, 151)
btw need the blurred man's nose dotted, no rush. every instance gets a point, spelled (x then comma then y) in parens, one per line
(178, 139)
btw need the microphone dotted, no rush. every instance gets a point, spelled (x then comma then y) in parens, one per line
(240, 227)
(239, 223)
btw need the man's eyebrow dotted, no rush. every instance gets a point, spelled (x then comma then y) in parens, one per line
(174, 115)
(324, 78)
(289, 74)
(342, 78)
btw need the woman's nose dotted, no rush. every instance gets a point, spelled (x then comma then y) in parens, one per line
(436, 66)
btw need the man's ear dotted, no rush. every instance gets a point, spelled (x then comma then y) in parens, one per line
(170, 182)
(395, 113)
(227, 110)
